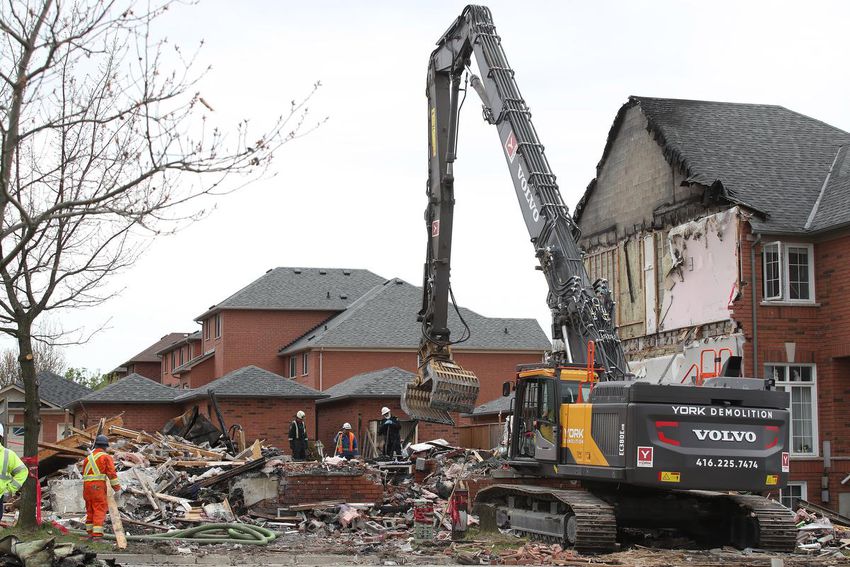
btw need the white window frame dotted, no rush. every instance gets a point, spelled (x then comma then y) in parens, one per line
(804, 491)
(304, 368)
(218, 325)
(813, 385)
(293, 366)
(785, 272)
(207, 326)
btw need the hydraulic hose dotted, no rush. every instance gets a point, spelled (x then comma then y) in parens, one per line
(209, 533)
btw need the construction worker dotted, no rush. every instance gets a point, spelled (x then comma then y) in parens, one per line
(13, 473)
(98, 467)
(346, 443)
(298, 437)
(389, 428)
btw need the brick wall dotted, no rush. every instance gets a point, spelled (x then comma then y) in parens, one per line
(152, 370)
(492, 368)
(331, 416)
(351, 488)
(255, 337)
(50, 421)
(262, 418)
(148, 417)
(200, 375)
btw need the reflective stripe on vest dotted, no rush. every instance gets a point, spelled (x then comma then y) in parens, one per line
(339, 447)
(10, 477)
(91, 471)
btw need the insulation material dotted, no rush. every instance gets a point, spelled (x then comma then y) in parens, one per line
(683, 366)
(703, 279)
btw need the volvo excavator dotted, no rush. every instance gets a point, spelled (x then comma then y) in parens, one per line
(593, 451)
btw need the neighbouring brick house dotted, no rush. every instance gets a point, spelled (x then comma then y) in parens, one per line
(380, 330)
(147, 363)
(319, 327)
(55, 393)
(250, 326)
(723, 228)
(261, 402)
(179, 356)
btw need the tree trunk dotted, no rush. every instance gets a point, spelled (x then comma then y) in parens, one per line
(32, 421)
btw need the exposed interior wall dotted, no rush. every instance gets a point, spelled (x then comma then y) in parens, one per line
(682, 365)
(702, 278)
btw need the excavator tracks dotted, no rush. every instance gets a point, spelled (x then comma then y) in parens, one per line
(572, 518)
(771, 525)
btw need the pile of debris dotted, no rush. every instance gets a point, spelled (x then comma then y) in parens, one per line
(821, 531)
(528, 554)
(168, 481)
(172, 483)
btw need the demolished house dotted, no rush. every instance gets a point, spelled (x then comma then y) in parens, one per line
(721, 230)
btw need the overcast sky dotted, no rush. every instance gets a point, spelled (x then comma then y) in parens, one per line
(351, 195)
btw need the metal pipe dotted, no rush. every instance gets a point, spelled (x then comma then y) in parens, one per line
(754, 281)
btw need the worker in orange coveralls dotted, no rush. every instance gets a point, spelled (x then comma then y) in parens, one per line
(97, 468)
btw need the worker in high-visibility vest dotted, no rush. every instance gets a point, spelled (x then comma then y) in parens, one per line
(98, 467)
(13, 472)
(346, 443)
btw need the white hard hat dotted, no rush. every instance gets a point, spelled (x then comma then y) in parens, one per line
(300, 415)
(385, 410)
(2, 431)
(346, 425)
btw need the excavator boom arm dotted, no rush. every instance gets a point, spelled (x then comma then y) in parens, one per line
(581, 312)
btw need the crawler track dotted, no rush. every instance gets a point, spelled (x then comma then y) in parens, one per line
(774, 525)
(589, 522)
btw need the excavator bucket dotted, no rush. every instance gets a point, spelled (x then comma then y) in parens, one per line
(440, 387)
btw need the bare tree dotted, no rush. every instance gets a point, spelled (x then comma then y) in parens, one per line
(105, 142)
(46, 356)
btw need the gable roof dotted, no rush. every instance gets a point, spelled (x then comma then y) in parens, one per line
(252, 382)
(132, 388)
(150, 353)
(385, 317)
(502, 405)
(384, 383)
(184, 340)
(190, 364)
(767, 158)
(58, 390)
(305, 289)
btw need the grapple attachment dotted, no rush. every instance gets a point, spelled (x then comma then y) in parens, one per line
(440, 387)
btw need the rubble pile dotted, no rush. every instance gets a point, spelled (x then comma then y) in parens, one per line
(171, 483)
(821, 532)
(168, 481)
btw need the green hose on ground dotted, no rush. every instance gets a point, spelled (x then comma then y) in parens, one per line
(209, 533)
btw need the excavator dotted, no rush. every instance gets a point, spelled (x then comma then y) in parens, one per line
(594, 452)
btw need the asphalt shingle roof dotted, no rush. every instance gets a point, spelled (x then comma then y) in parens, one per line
(252, 382)
(133, 388)
(501, 405)
(58, 390)
(320, 289)
(149, 354)
(384, 383)
(385, 317)
(766, 157)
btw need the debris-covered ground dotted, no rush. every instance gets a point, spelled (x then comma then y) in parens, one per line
(380, 512)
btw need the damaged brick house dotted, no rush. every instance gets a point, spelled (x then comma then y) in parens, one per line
(319, 327)
(723, 229)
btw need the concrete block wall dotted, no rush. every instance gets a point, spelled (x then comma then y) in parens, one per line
(634, 180)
